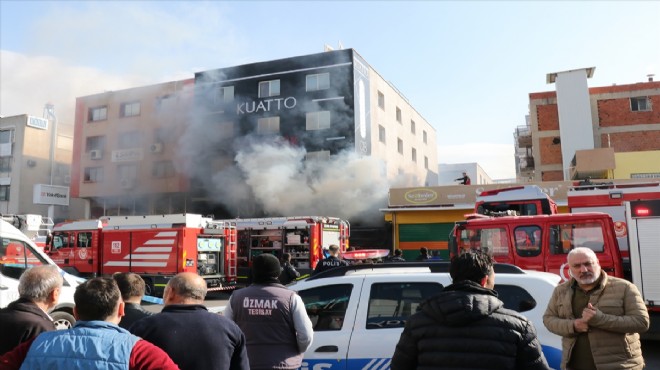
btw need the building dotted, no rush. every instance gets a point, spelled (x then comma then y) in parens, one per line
(449, 172)
(577, 132)
(34, 173)
(314, 111)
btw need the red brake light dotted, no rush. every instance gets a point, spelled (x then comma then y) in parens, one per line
(641, 211)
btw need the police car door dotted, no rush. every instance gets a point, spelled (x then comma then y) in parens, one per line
(331, 307)
(385, 305)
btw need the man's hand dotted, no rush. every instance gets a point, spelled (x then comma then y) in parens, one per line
(588, 313)
(580, 326)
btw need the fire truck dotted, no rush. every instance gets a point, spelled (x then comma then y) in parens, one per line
(156, 247)
(305, 238)
(516, 200)
(541, 242)
(35, 227)
(611, 198)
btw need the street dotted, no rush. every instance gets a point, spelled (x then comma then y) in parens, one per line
(651, 349)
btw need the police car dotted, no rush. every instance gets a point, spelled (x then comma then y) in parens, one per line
(359, 311)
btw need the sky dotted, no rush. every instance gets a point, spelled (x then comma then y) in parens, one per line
(467, 67)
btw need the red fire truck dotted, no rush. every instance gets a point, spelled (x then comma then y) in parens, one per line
(516, 201)
(610, 198)
(541, 243)
(305, 238)
(156, 247)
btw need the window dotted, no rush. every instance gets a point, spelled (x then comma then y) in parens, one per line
(4, 192)
(318, 155)
(93, 174)
(224, 94)
(398, 114)
(399, 145)
(381, 134)
(390, 304)
(84, 240)
(6, 136)
(424, 136)
(317, 120)
(130, 109)
(98, 114)
(129, 140)
(426, 162)
(17, 257)
(94, 143)
(414, 155)
(492, 241)
(269, 88)
(528, 240)
(5, 164)
(268, 125)
(565, 237)
(326, 306)
(640, 104)
(515, 298)
(412, 127)
(316, 82)
(381, 100)
(127, 172)
(163, 169)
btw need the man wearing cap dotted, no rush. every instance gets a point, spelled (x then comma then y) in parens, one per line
(273, 318)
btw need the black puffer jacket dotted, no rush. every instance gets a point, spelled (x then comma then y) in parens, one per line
(466, 327)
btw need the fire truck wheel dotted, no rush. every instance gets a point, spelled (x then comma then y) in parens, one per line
(149, 288)
(63, 320)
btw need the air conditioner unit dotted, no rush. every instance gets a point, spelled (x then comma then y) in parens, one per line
(95, 154)
(67, 179)
(126, 183)
(156, 147)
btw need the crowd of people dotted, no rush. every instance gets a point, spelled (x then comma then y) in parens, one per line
(266, 326)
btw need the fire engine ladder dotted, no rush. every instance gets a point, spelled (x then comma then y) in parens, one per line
(232, 258)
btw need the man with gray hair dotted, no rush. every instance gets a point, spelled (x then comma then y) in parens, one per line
(193, 337)
(39, 289)
(599, 317)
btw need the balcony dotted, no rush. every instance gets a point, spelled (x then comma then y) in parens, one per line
(592, 163)
(523, 136)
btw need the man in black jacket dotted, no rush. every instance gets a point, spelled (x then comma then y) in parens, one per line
(39, 289)
(466, 326)
(331, 261)
(193, 337)
(131, 286)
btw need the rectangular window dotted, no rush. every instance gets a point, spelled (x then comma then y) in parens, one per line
(565, 237)
(399, 145)
(94, 143)
(5, 164)
(93, 174)
(97, 114)
(390, 304)
(6, 136)
(268, 125)
(317, 120)
(4, 193)
(129, 140)
(412, 127)
(398, 114)
(224, 94)
(640, 104)
(381, 134)
(318, 156)
(127, 172)
(414, 155)
(381, 100)
(494, 241)
(326, 306)
(163, 169)
(130, 109)
(316, 82)
(269, 88)
(424, 137)
(426, 162)
(527, 240)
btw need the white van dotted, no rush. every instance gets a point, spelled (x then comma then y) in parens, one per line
(18, 253)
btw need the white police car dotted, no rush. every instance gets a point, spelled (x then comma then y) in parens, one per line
(359, 311)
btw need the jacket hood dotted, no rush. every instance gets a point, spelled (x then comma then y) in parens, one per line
(462, 303)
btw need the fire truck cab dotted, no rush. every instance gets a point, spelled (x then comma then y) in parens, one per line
(155, 247)
(516, 201)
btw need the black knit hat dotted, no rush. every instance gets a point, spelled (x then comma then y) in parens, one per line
(265, 269)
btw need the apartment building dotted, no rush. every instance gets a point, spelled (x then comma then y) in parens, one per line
(171, 147)
(577, 132)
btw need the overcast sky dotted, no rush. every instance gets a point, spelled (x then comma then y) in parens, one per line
(467, 67)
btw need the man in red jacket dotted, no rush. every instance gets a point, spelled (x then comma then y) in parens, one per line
(94, 341)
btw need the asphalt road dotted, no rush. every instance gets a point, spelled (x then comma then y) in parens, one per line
(651, 349)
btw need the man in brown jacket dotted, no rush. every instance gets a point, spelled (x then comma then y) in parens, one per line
(599, 317)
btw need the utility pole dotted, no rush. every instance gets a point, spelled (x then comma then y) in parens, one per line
(49, 114)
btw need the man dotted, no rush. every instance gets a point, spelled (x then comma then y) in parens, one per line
(273, 318)
(289, 273)
(423, 254)
(194, 337)
(466, 326)
(331, 261)
(464, 180)
(94, 342)
(398, 256)
(131, 286)
(599, 317)
(39, 291)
